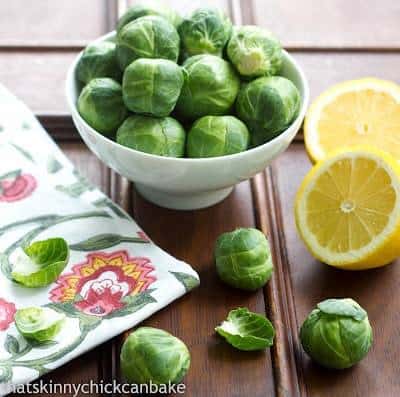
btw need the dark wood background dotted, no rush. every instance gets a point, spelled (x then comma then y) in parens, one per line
(333, 40)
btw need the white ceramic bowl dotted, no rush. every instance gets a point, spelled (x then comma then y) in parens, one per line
(182, 183)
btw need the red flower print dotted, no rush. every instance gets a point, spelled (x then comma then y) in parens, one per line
(15, 186)
(143, 236)
(7, 312)
(99, 285)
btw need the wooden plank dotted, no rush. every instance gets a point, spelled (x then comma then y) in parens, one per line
(310, 281)
(37, 78)
(217, 369)
(186, 6)
(330, 23)
(47, 22)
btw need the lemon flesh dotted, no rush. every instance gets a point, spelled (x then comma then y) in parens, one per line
(356, 112)
(348, 209)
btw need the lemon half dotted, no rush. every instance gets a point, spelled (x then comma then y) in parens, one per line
(348, 209)
(356, 112)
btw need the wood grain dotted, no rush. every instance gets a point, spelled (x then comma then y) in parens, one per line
(48, 22)
(331, 23)
(376, 290)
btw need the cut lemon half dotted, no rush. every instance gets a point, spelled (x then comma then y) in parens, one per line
(356, 112)
(348, 209)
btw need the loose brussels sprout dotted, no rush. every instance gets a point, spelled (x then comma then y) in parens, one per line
(254, 52)
(40, 263)
(213, 136)
(152, 86)
(101, 105)
(153, 355)
(337, 333)
(147, 37)
(149, 8)
(40, 324)
(267, 105)
(210, 88)
(243, 258)
(206, 31)
(161, 136)
(98, 60)
(246, 330)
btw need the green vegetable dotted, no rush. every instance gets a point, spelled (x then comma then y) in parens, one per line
(98, 60)
(337, 333)
(243, 258)
(213, 136)
(210, 88)
(100, 104)
(147, 37)
(268, 105)
(254, 52)
(40, 324)
(153, 355)
(149, 7)
(161, 136)
(206, 31)
(41, 263)
(246, 330)
(152, 86)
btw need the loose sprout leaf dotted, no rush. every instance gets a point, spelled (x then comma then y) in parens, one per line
(246, 330)
(40, 263)
(40, 324)
(342, 307)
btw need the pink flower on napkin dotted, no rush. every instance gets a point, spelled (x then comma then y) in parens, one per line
(7, 312)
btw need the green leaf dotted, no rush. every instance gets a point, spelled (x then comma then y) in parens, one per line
(343, 307)
(23, 152)
(246, 330)
(10, 175)
(43, 345)
(11, 344)
(42, 264)
(5, 373)
(105, 202)
(88, 323)
(133, 303)
(187, 280)
(103, 241)
(53, 165)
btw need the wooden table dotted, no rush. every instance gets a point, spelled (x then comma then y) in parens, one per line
(334, 40)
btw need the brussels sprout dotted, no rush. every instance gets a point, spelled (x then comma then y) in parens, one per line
(101, 105)
(98, 60)
(267, 105)
(206, 31)
(40, 263)
(149, 8)
(147, 37)
(152, 86)
(213, 136)
(246, 330)
(153, 355)
(161, 136)
(40, 324)
(337, 333)
(210, 88)
(243, 258)
(254, 52)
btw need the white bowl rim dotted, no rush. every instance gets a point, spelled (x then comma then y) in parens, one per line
(242, 155)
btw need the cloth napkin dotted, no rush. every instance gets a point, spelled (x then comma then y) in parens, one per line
(116, 277)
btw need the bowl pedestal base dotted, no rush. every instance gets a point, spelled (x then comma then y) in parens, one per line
(183, 201)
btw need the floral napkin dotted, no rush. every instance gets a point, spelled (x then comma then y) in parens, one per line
(114, 271)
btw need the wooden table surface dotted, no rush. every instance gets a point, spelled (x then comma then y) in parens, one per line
(333, 40)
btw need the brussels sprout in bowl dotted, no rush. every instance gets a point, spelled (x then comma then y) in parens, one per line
(187, 183)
